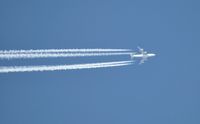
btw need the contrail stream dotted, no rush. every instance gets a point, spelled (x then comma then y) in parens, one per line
(61, 50)
(63, 67)
(55, 55)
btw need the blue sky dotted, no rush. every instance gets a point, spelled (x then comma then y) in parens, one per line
(163, 90)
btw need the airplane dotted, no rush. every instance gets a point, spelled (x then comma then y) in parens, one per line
(143, 54)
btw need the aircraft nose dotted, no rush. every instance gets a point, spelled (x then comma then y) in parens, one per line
(152, 54)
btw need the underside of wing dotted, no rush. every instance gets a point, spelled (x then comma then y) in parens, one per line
(143, 60)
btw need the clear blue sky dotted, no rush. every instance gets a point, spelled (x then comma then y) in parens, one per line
(164, 90)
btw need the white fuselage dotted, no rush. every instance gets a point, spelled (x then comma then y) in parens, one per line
(143, 55)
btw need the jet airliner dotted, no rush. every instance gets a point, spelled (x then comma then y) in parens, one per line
(142, 54)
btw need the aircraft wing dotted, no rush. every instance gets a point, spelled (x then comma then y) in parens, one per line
(143, 60)
(141, 50)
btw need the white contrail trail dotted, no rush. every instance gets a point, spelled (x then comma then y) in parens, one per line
(63, 67)
(61, 50)
(54, 55)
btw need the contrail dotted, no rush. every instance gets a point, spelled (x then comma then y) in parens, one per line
(55, 55)
(61, 50)
(63, 67)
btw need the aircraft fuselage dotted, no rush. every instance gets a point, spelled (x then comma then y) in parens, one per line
(144, 55)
